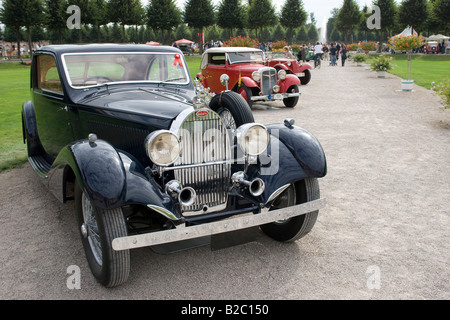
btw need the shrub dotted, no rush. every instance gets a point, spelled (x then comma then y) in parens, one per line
(279, 44)
(242, 42)
(359, 57)
(368, 46)
(353, 47)
(443, 90)
(381, 63)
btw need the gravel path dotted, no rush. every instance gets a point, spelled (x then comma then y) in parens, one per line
(385, 233)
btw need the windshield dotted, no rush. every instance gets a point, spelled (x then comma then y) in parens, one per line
(91, 69)
(249, 56)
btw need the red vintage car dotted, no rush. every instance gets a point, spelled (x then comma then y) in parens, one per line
(432, 47)
(292, 66)
(247, 74)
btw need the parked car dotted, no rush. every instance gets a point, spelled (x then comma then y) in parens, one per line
(431, 47)
(248, 75)
(291, 66)
(119, 130)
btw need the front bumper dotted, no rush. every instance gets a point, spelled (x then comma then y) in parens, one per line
(275, 96)
(182, 232)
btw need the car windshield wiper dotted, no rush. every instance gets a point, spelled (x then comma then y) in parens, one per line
(174, 79)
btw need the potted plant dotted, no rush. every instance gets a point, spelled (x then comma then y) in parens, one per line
(407, 43)
(443, 91)
(359, 58)
(381, 64)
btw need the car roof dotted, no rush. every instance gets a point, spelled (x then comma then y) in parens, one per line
(80, 48)
(231, 49)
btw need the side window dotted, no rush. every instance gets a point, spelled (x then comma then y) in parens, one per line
(47, 74)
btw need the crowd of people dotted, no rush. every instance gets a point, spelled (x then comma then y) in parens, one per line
(328, 52)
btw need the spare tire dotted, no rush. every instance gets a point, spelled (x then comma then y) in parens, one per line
(232, 108)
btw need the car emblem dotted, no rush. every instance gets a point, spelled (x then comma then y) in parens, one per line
(202, 113)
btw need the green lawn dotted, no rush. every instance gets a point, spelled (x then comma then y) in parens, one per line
(425, 69)
(14, 91)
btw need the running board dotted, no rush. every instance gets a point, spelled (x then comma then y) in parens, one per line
(40, 165)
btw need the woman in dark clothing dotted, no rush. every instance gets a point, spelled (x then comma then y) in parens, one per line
(343, 54)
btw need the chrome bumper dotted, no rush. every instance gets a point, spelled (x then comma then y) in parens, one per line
(275, 96)
(243, 222)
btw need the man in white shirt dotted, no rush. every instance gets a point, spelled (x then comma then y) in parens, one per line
(317, 53)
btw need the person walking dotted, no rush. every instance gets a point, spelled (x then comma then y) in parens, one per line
(333, 52)
(343, 54)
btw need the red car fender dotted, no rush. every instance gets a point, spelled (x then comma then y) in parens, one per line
(289, 81)
(279, 66)
(249, 83)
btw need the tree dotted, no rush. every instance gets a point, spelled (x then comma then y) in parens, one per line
(293, 16)
(163, 15)
(16, 14)
(98, 16)
(231, 15)
(56, 16)
(125, 12)
(413, 13)
(348, 17)
(260, 14)
(388, 10)
(441, 8)
(199, 14)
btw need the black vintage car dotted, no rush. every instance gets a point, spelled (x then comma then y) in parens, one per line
(119, 129)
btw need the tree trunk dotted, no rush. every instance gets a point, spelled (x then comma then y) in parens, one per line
(30, 44)
(18, 43)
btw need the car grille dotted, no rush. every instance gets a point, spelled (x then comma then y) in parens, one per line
(204, 140)
(268, 80)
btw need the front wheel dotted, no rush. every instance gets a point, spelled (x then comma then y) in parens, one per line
(291, 102)
(295, 228)
(305, 80)
(98, 228)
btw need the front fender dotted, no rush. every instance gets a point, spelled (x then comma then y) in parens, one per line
(30, 131)
(250, 83)
(294, 154)
(288, 82)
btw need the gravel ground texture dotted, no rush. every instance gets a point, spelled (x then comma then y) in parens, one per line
(384, 234)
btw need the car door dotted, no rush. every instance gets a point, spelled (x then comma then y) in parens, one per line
(213, 66)
(51, 110)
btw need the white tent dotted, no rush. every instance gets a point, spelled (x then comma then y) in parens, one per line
(407, 32)
(438, 37)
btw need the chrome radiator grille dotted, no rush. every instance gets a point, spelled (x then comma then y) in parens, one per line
(268, 80)
(204, 140)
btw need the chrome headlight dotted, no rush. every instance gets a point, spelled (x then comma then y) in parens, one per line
(224, 79)
(163, 147)
(276, 88)
(256, 75)
(282, 74)
(253, 138)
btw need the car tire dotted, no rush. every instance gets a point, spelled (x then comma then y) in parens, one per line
(246, 93)
(291, 102)
(98, 227)
(305, 80)
(297, 227)
(230, 103)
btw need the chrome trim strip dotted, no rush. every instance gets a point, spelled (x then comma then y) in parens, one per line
(276, 193)
(163, 211)
(208, 229)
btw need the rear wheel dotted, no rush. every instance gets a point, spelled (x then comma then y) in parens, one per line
(295, 228)
(232, 108)
(305, 80)
(98, 228)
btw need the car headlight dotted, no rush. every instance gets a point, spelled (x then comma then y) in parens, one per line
(253, 138)
(163, 147)
(282, 74)
(276, 88)
(256, 75)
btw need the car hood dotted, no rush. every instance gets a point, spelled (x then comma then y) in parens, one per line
(155, 108)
